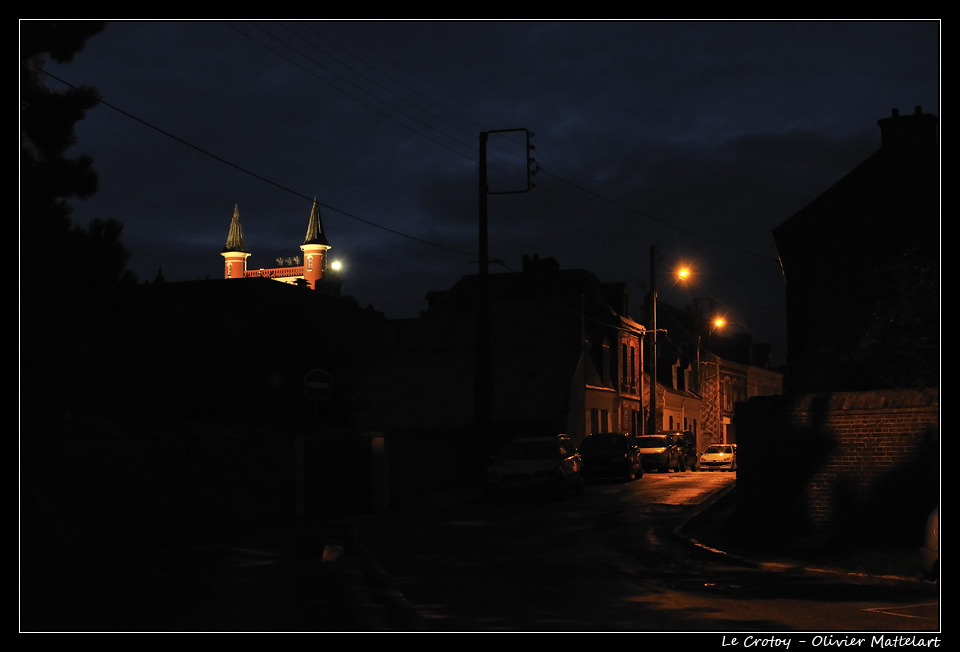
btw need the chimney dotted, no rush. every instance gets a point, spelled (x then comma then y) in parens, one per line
(900, 132)
(536, 265)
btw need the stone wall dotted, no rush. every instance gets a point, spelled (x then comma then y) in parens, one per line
(845, 465)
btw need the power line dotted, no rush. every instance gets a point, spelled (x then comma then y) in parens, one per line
(562, 203)
(258, 176)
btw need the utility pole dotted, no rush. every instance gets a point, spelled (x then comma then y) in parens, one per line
(652, 419)
(483, 384)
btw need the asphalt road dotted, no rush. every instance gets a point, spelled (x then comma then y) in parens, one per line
(611, 560)
(619, 557)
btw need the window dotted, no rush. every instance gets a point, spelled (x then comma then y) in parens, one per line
(606, 362)
(624, 369)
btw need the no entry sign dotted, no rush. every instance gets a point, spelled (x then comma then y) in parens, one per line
(318, 385)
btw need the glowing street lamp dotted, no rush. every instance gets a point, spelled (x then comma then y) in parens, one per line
(716, 322)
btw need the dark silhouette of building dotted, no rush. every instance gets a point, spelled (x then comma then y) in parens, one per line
(861, 264)
(859, 423)
(565, 358)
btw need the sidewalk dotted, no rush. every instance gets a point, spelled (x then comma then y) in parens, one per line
(713, 529)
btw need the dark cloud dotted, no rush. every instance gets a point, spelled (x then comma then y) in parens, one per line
(697, 136)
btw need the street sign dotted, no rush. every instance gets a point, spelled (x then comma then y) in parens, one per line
(317, 385)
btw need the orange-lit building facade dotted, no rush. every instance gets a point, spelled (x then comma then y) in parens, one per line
(314, 248)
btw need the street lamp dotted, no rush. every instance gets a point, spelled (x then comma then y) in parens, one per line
(708, 324)
(652, 418)
(681, 273)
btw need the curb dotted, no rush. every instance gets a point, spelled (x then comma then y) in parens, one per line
(782, 566)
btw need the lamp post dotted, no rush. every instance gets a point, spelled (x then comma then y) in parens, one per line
(715, 322)
(652, 418)
(682, 274)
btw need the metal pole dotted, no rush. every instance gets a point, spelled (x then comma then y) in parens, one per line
(483, 374)
(652, 421)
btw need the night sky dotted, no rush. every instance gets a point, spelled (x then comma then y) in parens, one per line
(698, 137)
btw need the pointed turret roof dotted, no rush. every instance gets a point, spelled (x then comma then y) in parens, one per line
(315, 232)
(235, 237)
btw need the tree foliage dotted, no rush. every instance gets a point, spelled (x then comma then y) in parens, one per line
(49, 177)
(65, 297)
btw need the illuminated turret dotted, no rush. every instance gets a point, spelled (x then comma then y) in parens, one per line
(234, 252)
(314, 249)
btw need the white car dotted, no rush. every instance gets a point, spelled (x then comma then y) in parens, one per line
(719, 456)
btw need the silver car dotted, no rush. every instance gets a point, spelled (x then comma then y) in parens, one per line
(546, 466)
(659, 452)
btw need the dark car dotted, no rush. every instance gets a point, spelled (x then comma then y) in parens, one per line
(547, 466)
(686, 441)
(611, 455)
(659, 452)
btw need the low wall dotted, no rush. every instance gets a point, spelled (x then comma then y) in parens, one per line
(846, 465)
(157, 485)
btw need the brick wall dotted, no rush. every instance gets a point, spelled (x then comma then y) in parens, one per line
(842, 465)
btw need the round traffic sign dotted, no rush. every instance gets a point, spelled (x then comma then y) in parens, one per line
(318, 385)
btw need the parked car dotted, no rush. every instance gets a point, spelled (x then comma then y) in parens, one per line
(930, 552)
(659, 452)
(549, 466)
(719, 456)
(687, 442)
(611, 455)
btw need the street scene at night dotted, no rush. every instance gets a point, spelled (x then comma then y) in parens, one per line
(482, 326)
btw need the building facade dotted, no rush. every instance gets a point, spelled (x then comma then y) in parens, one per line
(862, 268)
(310, 269)
(702, 375)
(564, 357)
(861, 264)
